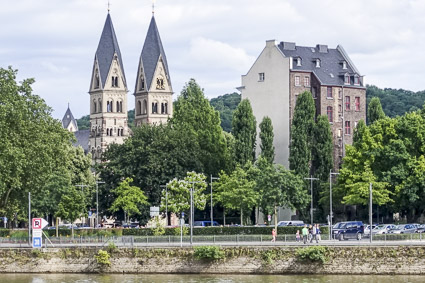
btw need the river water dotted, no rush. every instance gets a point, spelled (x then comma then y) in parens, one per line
(171, 278)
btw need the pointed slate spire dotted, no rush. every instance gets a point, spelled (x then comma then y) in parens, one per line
(108, 46)
(68, 119)
(151, 52)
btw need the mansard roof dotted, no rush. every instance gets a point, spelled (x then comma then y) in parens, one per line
(68, 118)
(151, 52)
(108, 46)
(331, 71)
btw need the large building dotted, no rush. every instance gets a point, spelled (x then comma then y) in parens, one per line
(285, 70)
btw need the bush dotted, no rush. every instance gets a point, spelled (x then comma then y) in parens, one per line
(312, 254)
(208, 253)
(102, 258)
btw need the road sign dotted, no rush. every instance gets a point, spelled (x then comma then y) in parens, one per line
(36, 242)
(154, 211)
(37, 233)
(90, 213)
(38, 223)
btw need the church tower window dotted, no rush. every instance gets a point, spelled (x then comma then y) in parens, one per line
(154, 107)
(139, 107)
(115, 81)
(145, 107)
(97, 81)
(164, 108)
(94, 106)
(142, 83)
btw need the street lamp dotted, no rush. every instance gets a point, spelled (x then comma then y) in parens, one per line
(330, 202)
(192, 209)
(212, 178)
(370, 212)
(166, 203)
(311, 189)
(97, 202)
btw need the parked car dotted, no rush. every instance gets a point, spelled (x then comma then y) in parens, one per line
(367, 230)
(403, 229)
(420, 229)
(348, 230)
(291, 223)
(205, 223)
(382, 229)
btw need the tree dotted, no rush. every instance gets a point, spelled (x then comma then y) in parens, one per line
(33, 146)
(358, 133)
(245, 132)
(226, 105)
(179, 193)
(128, 198)
(301, 133)
(194, 116)
(266, 136)
(374, 110)
(71, 206)
(236, 191)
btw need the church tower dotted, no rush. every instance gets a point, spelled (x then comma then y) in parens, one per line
(153, 92)
(108, 94)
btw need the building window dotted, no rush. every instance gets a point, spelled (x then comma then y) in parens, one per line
(142, 83)
(100, 106)
(94, 107)
(114, 81)
(297, 80)
(118, 107)
(356, 80)
(306, 81)
(317, 63)
(344, 65)
(347, 103)
(145, 106)
(329, 92)
(139, 108)
(329, 111)
(97, 81)
(298, 61)
(164, 108)
(340, 94)
(347, 128)
(347, 79)
(154, 107)
(261, 77)
(339, 133)
(357, 103)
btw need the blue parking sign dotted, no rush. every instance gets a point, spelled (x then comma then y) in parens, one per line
(36, 242)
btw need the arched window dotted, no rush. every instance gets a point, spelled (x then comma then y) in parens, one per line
(107, 132)
(100, 105)
(142, 83)
(329, 111)
(108, 107)
(154, 107)
(145, 106)
(94, 106)
(164, 108)
(121, 106)
(96, 80)
(122, 132)
(139, 107)
(114, 81)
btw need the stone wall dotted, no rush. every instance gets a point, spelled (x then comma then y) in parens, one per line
(238, 260)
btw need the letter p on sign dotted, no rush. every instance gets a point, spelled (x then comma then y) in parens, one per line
(36, 223)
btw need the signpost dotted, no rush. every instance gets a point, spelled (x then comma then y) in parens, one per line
(37, 232)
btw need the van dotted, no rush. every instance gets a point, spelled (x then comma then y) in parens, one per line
(291, 223)
(205, 223)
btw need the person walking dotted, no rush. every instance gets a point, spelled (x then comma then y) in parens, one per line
(314, 233)
(298, 236)
(319, 238)
(305, 233)
(274, 235)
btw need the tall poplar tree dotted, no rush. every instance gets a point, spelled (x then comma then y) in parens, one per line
(374, 111)
(245, 132)
(322, 150)
(267, 136)
(301, 135)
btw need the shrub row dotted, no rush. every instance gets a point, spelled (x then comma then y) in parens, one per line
(168, 231)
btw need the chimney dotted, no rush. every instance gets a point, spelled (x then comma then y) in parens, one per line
(288, 45)
(322, 48)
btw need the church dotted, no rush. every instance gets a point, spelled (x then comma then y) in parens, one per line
(108, 92)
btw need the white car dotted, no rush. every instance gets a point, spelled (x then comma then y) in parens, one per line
(382, 229)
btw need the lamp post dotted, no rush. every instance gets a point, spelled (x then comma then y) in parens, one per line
(370, 212)
(330, 202)
(97, 202)
(212, 178)
(192, 209)
(311, 188)
(166, 203)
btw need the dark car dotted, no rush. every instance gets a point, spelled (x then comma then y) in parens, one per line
(348, 230)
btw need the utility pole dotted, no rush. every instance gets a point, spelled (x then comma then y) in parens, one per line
(212, 178)
(29, 218)
(166, 203)
(97, 202)
(311, 188)
(370, 212)
(330, 203)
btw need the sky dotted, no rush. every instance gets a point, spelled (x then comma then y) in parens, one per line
(212, 41)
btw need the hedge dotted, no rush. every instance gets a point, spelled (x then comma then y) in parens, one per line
(248, 230)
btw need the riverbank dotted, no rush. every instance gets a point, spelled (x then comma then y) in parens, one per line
(226, 260)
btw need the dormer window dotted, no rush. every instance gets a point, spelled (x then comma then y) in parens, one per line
(344, 65)
(317, 63)
(347, 80)
(356, 80)
(298, 61)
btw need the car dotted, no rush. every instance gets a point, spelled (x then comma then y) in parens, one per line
(205, 223)
(382, 229)
(403, 229)
(348, 230)
(421, 228)
(291, 223)
(367, 230)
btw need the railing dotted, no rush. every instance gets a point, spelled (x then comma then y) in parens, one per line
(247, 240)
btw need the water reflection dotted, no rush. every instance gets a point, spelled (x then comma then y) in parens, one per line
(169, 278)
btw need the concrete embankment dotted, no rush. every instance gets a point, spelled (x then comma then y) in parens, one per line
(232, 260)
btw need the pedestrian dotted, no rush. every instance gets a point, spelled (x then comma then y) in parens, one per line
(305, 233)
(318, 232)
(274, 235)
(298, 236)
(310, 228)
(314, 233)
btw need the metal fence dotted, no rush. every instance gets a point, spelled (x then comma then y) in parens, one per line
(248, 240)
